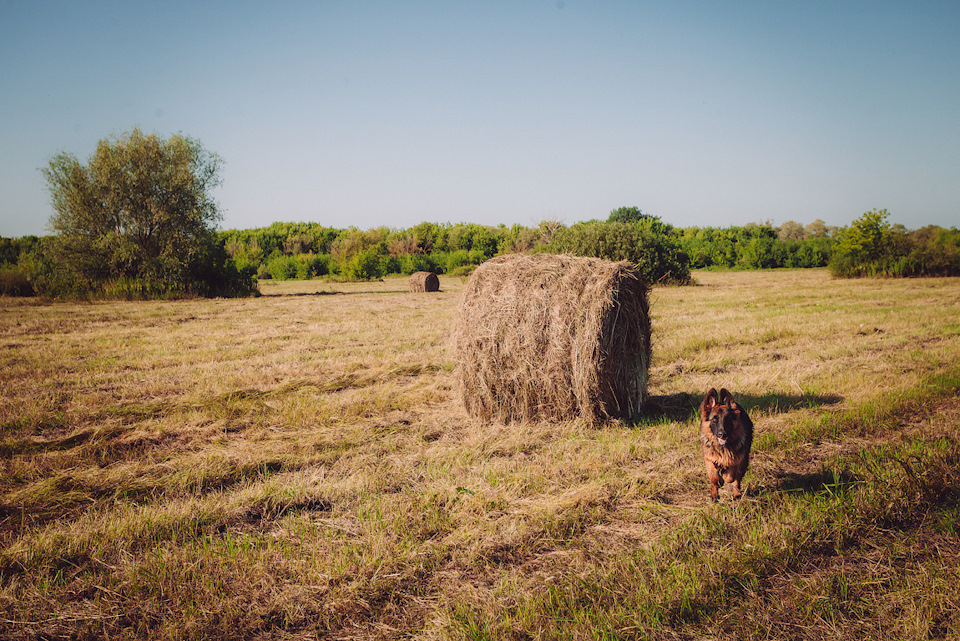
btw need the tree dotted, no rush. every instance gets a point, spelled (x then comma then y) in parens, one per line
(628, 215)
(817, 229)
(791, 230)
(864, 248)
(141, 210)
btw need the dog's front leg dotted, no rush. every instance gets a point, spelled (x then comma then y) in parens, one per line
(731, 478)
(713, 475)
(736, 489)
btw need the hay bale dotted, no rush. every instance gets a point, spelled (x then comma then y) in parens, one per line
(546, 337)
(424, 282)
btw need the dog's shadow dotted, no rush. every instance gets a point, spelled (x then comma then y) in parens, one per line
(808, 483)
(686, 407)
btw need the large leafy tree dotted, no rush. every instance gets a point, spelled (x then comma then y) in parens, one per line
(864, 248)
(139, 209)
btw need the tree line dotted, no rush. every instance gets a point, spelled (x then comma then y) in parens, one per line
(665, 253)
(137, 220)
(870, 246)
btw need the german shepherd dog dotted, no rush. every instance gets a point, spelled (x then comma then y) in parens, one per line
(726, 434)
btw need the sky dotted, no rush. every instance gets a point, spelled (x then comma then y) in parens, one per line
(375, 113)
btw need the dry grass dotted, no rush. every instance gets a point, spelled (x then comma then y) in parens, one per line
(299, 465)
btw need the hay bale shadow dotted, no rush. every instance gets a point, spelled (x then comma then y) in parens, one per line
(809, 483)
(777, 403)
(685, 406)
(669, 407)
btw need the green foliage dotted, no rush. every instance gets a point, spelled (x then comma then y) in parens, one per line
(311, 265)
(934, 252)
(629, 215)
(864, 248)
(367, 264)
(14, 281)
(756, 247)
(52, 278)
(140, 210)
(447, 262)
(353, 241)
(410, 263)
(12, 249)
(214, 273)
(280, 268)
(762, 253)
(519, 239)
(429, 236)
(648, 243)
(809, 252)
(18, 265)
(873, 247)
(290, 239)
(475, 238)
(299, 266)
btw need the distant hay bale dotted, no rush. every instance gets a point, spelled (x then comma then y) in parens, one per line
(424, 282)
(546, 337)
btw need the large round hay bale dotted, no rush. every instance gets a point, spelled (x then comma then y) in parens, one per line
(546, 337)
(424, 282)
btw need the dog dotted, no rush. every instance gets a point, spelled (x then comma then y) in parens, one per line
(726, 434)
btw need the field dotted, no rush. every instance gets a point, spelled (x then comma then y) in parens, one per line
(299, 466)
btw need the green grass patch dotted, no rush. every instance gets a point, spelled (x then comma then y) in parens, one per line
(805, 554)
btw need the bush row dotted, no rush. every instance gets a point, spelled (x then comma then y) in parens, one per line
(871, 246)
(665, 253)
(868, 247)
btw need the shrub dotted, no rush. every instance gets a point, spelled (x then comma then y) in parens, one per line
(648, 243)
(463, 271)
(753, 247)
(312, 265)
(413, 263)
(868, 248)
(282, 267)
(365, 265)
(762, 253)
(458, 258)
(213, 272)
(811, 252)
(936, 252)
(14, 282)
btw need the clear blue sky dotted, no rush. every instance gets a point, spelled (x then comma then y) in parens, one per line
(369, 113)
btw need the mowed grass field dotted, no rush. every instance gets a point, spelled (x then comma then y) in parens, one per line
(299, 466)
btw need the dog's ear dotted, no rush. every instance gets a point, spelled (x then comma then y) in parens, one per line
(709, 402)
(726, 398)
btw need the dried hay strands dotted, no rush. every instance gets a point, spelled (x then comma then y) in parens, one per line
(548, 337)
(424, 282)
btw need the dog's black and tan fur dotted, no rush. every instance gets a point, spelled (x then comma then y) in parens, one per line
(726, 434)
